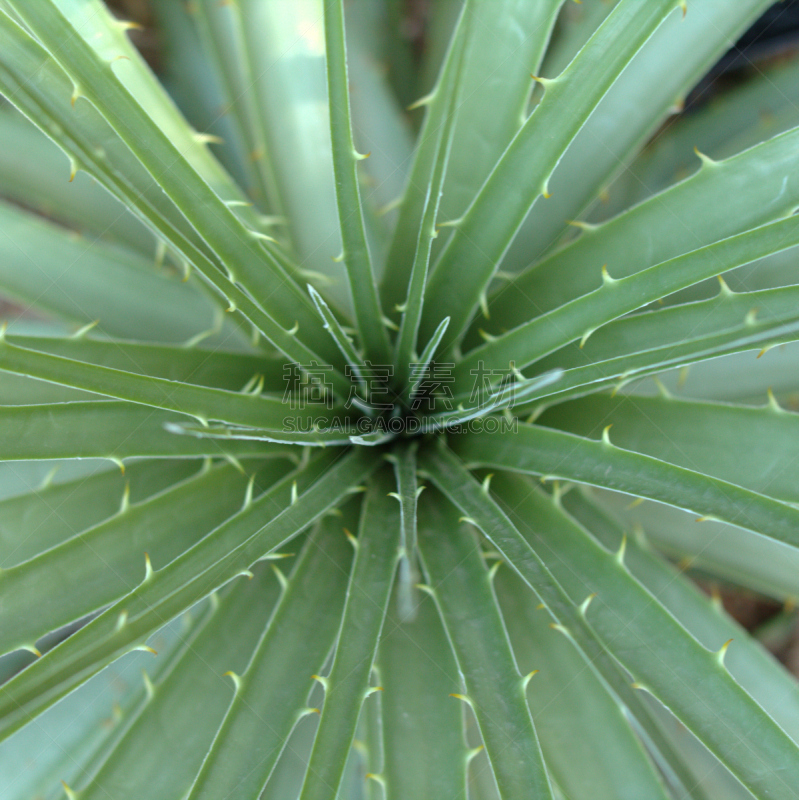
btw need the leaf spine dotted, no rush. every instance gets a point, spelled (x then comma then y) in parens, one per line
(723, 652)
(377, 777)
(81, 332)
(470, 754)
(148, 568)
(148, 685)
(466, 699)
(527, 678)
(282, 579)
(323, 681)
(235, 678)
(583, 608)
(493, 571)
(31, 648)
(606, 435)
(68, 792)
(622, 550)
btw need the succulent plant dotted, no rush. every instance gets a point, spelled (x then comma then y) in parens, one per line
(237, 357)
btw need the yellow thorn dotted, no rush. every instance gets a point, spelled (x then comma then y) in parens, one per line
(235, 678)
(294, 494)
(128, 25)
(527, 678)
(469, 520)
(543, 82)
(723, 652)
(118, 462)
(323, 681)
(209, 138)
(420, 490)
(772, 401)
(422, 101)
(585, 337)
(73, 169)
(352, 540)
(371, 690)
(282, 579)
(248, 493)
(583, 226)
(751, 317)
(371, 776)
(606, 434)
(684, 6)
(587, 602)
(470, 754)
(148, 568)
(622, 549)
(293, 331)
(606, 279)
(81, 332)
(68, 792)
(423, 587)
(725, 290)
(243, 573)
(465, 699)
(561, 629)
(635, 503)
(122, 619)
(144, 648)
(487, 482)
(493, 571)
(540, 607)
(484, 305)
(148, 684)
(31, 648)
(707, 161)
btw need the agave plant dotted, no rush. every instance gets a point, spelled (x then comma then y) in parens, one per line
(238, 356)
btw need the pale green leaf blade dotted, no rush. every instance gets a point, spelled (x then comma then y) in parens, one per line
(658, 79)
(103, 430)
(277, 681)
(50, 513)
(357, 259)
(202, 402)
(550, 453)
(347, 686)
(228, 551)
(81, 280)
(97, 566)
(77, 735)
(648, 640)
(718, 201)
(758, 672)
(603, 760)
(706, 437)
(425, 749)
(226, 643)
(520, 176)
(460, 584)
(407, 494)
(454, 480)
(615, 297)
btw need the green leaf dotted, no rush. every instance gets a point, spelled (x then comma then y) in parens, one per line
(225, 643)
(202, 402)
(763, 107)
(425, 750)
(544, 334)
(99, 565)
(214, 367)
(277, 680)
(82, 280)
(644, 95)
(47, 104)
(706, 437)
(758, 672)
(368, 314)
(103, 430)
(718, 201)
(604, 760)
(495, 691)
(235, 245)
(520, 176)
(225, 553)
(49, 514)
(650, 639)
(222, 29)
(555, 454)
(407, 495)
(78, 734)
(451, 477)
(347, 686)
